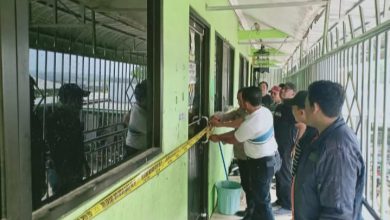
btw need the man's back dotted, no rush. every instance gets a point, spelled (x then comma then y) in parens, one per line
(329, 180)
(257, 132)
(64, 135)
(136, 135)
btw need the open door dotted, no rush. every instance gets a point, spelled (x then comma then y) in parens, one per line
(198, 104)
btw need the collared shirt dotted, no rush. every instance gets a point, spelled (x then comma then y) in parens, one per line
(257, 134)
(330, 176)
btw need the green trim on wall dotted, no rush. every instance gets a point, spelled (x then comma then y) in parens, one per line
(263, 34)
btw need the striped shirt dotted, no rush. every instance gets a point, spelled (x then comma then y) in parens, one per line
(309, 135)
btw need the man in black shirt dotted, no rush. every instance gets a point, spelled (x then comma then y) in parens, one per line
(306, 135)
(38, 152)
(64, 135)
(275, 96)
(285, 134)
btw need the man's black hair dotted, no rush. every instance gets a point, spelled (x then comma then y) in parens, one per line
(140, 91)
(252, 95)
(290, 85)
(264, 83)
(71, 93)
(328, 95)
(298, 100)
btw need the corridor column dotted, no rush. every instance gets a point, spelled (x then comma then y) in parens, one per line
(15, 181)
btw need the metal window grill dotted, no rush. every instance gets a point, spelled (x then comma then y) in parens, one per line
(101, 52)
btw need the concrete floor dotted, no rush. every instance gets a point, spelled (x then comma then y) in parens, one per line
(218, 216)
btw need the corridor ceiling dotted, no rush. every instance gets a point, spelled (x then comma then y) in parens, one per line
(299, 20)
(120, 24)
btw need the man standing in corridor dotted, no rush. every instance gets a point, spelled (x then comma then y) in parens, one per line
(329, 180)
(257, 133)
(266, 99)
(285, 134)
(233, 119)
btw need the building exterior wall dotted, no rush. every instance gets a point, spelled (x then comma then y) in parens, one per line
(165, 196)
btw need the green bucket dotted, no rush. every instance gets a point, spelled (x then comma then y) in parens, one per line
(228, 197)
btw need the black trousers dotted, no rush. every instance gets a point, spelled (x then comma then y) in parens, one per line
(244, 168)
(283, 181)
(261, 172)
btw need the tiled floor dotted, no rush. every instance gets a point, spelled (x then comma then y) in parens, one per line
(218, 216)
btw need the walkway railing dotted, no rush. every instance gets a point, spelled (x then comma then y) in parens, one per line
(362, 67)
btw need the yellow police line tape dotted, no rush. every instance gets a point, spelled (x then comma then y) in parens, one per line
(141, 178)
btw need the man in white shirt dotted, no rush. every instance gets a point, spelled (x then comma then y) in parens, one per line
(136, 120)
(234, 119)
(257, 134)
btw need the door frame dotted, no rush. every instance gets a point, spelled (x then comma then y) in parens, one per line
(205, 103)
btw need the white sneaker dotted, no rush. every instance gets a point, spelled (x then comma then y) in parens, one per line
(282, 211)
(276, 207)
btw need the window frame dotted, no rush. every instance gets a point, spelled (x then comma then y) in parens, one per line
(220, 44)
(243, 72)
(231, 75)
(15, 120)
(246, 72)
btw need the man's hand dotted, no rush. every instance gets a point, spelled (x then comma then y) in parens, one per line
(214, 138)
(215, 120)
(217, 124)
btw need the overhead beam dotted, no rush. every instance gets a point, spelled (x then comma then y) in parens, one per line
(268, 26)
(269, 42)
(263, 34)
(265, 5)
(111, 9)
(59, 26)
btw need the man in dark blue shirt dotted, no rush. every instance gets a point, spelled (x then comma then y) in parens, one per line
(330, 176)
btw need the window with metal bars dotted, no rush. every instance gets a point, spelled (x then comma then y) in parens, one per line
(93, 104)
(224, 73)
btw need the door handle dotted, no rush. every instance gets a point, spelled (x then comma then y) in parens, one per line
(195, 120)
(207, 124)
(205, 118)
(196, 117)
